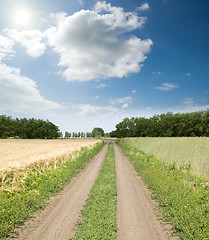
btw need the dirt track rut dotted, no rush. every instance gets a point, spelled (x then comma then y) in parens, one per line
(58, 219)
(136, 219)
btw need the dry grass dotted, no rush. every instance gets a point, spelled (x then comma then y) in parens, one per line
(193, 150)
(18, 153)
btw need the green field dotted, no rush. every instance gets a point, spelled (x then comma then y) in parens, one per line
(183, 151)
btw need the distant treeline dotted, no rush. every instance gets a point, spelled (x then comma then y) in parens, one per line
(194, 124)
(27, 128)
(77, 134)
(96, 132)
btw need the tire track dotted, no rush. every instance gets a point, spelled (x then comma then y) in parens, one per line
(58, 219)
(136, 219)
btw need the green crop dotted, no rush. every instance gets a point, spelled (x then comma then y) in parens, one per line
(182, 150)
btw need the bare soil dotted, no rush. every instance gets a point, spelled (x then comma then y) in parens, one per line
(136, 217)
(57, 220)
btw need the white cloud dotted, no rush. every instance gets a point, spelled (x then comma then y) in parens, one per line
(102, 85)
(125, 105)
(188, 101)
(32, 40)
(87, 110)
(166, 87)
(91, 44)
(81, 2)
(191, 106)
(157, 73)
(188, 74)
(94, 44)
(6, 46)
(144, 7)
(188, 105)
(133, 91)
(116, 18)
(123, 100)
(19, 94)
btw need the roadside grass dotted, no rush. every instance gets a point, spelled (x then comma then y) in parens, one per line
(24, 191)
(182, 150)
(183, 198)
(98, 219)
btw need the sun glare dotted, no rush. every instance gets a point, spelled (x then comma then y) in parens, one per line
(22, 17)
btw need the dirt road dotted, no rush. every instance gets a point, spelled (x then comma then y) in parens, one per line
(58, 219)
(136, 218)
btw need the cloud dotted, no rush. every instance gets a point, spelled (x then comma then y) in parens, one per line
(188, 105)
(95, 44)
(6, 46)
(133, 91)
(188, 74)
(81, 2)
(32, 40)
(166, 87)
(191, 106)
(87, 110)
(157, 73)
(102, 85)
(125, 105)
(144, 7)
(19, 94)
(188, 101)
(123, 100)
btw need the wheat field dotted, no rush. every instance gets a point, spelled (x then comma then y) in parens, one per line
(182, 150)
(18, 153)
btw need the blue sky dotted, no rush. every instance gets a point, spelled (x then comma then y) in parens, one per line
(85, 64)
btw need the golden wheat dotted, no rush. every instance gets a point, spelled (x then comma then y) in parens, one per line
(18, 153)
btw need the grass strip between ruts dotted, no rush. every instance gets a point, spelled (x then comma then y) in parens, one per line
(183, 198)
(98, 219)
(35, 188)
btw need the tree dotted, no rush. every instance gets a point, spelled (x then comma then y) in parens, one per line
(60, 134)
(88, 134)
(97, 132)
(27, 128)
(165, 125)
(67, 134)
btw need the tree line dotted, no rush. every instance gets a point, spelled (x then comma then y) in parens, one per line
(27, 128)
(77, 134)
(195, 124)
(96, 132)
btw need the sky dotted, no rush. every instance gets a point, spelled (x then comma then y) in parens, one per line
(85, 64)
